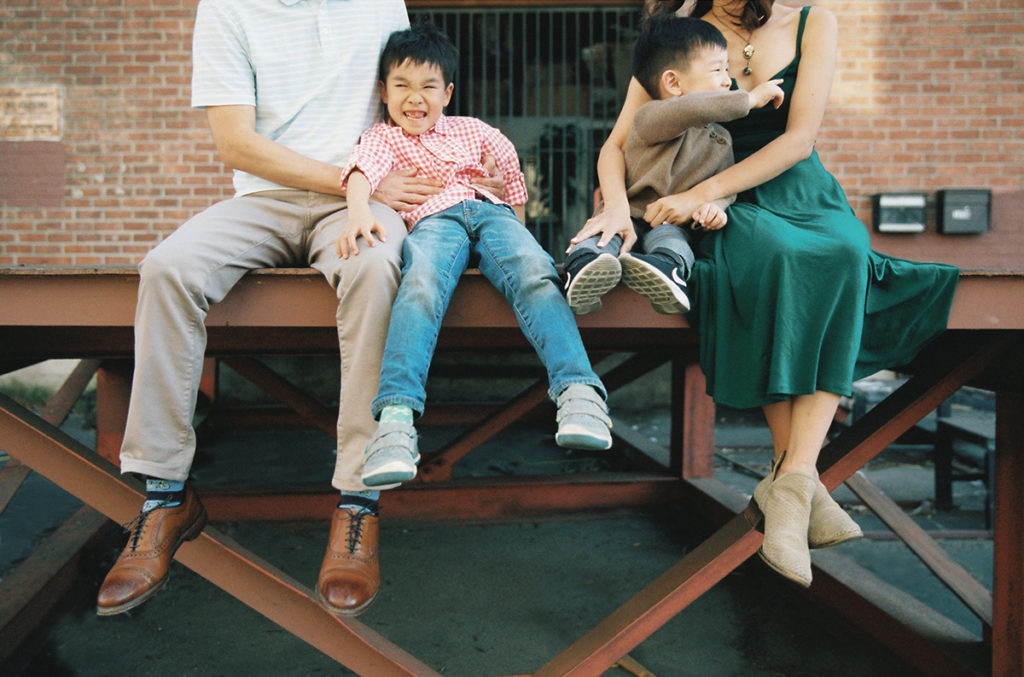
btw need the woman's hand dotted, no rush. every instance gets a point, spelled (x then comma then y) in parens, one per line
(608, 223)
(403, 191)
(677, 209)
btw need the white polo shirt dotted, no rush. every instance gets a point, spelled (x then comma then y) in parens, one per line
(308, 66)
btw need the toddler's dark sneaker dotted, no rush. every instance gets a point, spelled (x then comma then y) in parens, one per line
(657, 280)
(588, 278)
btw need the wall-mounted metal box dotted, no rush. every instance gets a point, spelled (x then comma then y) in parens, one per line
(898, 212)
(963, 210)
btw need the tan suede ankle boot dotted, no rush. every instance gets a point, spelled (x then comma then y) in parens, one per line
(786, 504)
(829, 524)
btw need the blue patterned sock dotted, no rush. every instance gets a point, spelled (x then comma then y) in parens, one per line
(396, 413)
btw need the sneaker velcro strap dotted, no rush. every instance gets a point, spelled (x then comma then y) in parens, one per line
(393, 435)
(582, 403)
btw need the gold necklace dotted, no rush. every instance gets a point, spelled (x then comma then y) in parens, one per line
(748, 49)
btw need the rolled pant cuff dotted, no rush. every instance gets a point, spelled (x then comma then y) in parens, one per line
(150, 469)
(379, 403)
(596, 384)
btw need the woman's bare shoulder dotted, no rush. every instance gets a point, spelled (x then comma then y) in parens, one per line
(787, 14)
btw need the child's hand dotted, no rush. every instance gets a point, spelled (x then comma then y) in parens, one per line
(767, 92)
(356, 227)
(710, 217)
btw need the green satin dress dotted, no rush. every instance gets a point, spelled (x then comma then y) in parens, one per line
(789, 298)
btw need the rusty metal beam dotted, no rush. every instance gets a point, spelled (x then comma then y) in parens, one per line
(54, 412)
(721, 553)
(57, 409)
(113, 392)
(658, 602)
(300, 298)
(693, 422)
(438, 467)
(1007, 559)
(217, 558)
(967, 588)
(275, 385)
(946, 373)
(31, 591)
(916, 634)
(12, 475)
(481, 499)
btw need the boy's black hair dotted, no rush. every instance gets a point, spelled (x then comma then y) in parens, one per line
(670, 42)
(422, 43)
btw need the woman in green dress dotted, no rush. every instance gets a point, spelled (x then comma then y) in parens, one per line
(789, 300)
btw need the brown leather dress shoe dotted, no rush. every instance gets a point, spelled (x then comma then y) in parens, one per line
(350, 574)
(141, 569)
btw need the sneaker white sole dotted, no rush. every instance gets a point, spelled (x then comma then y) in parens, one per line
(577, 437)
(593, 281)
(389, 473)
(665, 295)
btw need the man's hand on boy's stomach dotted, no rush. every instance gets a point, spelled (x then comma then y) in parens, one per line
(403, 190)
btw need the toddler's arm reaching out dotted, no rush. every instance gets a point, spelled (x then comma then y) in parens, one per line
(361, 221)
(767, 92)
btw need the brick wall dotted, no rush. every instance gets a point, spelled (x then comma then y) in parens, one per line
(928, 95)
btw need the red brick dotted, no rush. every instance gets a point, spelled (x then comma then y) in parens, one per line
(928, 94)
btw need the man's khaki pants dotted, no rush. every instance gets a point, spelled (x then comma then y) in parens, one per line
(199, 263)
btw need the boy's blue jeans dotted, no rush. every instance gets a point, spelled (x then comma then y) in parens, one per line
(435, 254)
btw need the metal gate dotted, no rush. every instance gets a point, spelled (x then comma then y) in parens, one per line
(553, 80)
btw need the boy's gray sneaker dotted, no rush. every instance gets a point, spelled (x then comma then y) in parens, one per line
(588, 279)
(659, 282)
(583, 421)
(391, 456)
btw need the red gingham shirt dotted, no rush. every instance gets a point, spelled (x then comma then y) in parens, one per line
(450, 151)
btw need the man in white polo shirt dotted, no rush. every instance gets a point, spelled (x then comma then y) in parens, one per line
(288, 86)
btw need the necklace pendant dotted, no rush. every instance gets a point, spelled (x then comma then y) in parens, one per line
(746, 71)
(748, 51)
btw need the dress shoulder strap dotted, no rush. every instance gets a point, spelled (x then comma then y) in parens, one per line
(804, 11)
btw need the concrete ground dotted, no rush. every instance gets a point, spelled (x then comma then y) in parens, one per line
(496, 598)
